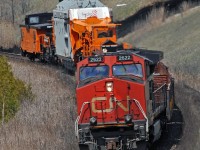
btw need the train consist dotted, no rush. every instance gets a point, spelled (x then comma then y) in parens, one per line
(78, 29)
(124, 99)
(125, 96)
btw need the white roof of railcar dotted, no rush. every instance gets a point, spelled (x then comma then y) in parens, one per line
(73, 4)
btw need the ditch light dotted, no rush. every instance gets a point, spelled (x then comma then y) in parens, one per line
(93, 121)
(128, 118)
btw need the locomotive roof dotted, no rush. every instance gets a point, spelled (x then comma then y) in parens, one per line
(40, 14)
(42, 22)
(72, 4)
(39, 26)
(150, 55)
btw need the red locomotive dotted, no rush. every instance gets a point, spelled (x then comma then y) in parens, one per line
(123, 99)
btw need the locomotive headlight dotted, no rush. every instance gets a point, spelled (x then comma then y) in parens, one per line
(93, 121)
(105, 50)
(128, 118)
(109, 86)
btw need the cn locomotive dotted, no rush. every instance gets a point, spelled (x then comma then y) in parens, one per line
(124, 99)
(124, 96)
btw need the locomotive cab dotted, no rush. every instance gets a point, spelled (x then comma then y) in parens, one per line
(118, 105)
(37, 36)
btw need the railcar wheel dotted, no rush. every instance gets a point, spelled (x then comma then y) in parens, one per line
(55, 59)
(142, 146)
(41, 59)
(83, 147)
(23, 53)
(101, 148)
(31, 57)
(90, 147)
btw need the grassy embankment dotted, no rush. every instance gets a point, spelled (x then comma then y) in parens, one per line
(43, 126)
(12, 92)
(178, 37)
(48, 121)
(131, 7)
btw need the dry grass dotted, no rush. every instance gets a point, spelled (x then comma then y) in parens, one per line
(121, 13)
(185, 6)
(48, 121)
(153, 20)
(8, 34)
(188, 100)
(42, 6)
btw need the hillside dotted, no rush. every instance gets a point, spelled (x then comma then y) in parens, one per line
(122, 9)
(12, 14)
(48, 122)
(178, 37)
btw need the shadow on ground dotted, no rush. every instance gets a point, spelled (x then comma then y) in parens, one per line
(173, 133)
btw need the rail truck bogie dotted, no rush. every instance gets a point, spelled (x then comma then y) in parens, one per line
(123, 99)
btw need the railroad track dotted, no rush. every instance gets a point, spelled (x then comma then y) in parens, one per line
(12, 55)
(18, 57)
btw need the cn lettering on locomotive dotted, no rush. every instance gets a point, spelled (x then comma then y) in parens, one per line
(111, 100)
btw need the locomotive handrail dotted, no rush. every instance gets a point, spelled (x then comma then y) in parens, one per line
(159, 88)
(78, 118)
(145, 116)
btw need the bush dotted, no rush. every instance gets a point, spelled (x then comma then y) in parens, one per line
(12, 91)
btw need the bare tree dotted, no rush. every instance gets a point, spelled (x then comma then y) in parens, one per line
(1, 11)
(13, 11)
(25, 5)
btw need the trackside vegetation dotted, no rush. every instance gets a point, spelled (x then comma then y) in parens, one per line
(12, 91)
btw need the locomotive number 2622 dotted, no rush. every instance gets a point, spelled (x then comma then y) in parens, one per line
(124, 58)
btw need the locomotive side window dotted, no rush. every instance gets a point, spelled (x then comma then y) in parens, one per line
(147, 68)
(34, 20)
(130, 69)
(44, 19)
(104, 34)
(93, 72)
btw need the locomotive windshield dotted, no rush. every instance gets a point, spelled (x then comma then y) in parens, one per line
(127, 69)
(34, 20)
(93, 72)
(105, 34)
